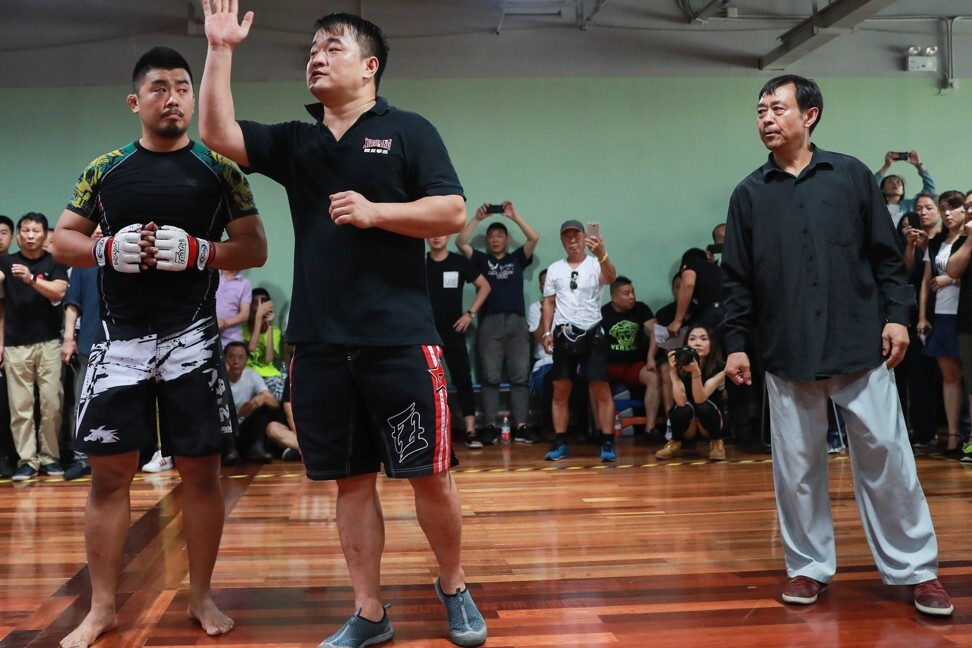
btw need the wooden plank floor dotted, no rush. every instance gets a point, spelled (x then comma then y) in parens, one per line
(571, 554)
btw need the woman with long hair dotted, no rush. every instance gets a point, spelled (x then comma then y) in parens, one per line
(698, 384)
(938, 312)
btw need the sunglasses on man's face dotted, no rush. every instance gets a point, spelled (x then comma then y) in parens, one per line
(573, 280)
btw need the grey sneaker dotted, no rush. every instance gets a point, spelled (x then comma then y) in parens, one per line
(466, 625)
(358, 632)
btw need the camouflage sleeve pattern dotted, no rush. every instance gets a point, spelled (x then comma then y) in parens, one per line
(85, 199)
(240, 198)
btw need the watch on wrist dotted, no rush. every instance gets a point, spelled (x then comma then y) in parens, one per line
(471, 314)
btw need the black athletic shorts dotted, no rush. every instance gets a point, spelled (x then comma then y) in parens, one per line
(356, 408)
(591, 360)
(180, 375)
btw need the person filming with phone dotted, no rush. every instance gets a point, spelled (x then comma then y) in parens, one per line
(503, 335)
(572, 331)
(893, 186)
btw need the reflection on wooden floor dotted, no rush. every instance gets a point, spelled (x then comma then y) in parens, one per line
(572, 554)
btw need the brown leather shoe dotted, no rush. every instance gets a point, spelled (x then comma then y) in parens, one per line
(803, 590)
(717, 450)
(931, 598)
(670, 451)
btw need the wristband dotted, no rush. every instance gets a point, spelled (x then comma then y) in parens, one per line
(547, 334)
(603, 258)
(33, 278)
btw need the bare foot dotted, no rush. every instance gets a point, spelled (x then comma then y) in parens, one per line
(212, 620)
(93, 626)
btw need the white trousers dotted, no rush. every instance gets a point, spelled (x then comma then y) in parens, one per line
(890, 501)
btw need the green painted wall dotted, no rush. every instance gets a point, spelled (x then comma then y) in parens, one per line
(653, 159)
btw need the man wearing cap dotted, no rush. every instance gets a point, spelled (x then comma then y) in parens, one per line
(572, 331)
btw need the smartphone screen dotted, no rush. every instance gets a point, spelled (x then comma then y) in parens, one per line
(594, 229)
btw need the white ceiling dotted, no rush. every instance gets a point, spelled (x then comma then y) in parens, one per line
(96, 42)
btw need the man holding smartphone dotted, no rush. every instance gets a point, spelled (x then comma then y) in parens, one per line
(502, 326)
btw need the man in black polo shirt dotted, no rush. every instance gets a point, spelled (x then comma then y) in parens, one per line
(447, 274)
(813, 268)
(30, 340)
(366, 183)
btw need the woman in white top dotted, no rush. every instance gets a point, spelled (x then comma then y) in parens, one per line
(940, 294)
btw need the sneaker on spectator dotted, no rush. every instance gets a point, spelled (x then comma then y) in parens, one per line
(158, 463)
(78, 469)
(803, 590)
(607, 453)
(289, 454)
(967, 453)
(6, 470)
(53, 469)
(523, 434)
(466, 625)
(931, 598)
(473, 441)
(358, 632)
(490, 434)
(557, 452)
(24, 473)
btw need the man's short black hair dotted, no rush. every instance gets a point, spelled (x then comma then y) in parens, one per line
(692, 253)
(369, 36)
(930, 196)
(6, 220)
(33, 217)
(235, 343)
(496, 225)
(158, 58)
(620, 283)
(808, 93)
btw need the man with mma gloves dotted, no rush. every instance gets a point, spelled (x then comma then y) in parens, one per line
(163, 203)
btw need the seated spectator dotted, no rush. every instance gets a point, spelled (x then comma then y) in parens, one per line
(631, 344)
(701, 288)
(664, 317)
(573, 333)
(938, 312)
(893, 186)
(447, 273)
(714, 251)
(253, 403)
(263, 342)
(284, 434)
(232, 305)
(34, 288)
(698, 384)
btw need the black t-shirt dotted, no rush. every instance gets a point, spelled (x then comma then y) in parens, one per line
(716, 398)
(708, 281)
(194, 189)
(355, 286)
(29, 317)
(626, 336)
(505, 278)
(446, 280)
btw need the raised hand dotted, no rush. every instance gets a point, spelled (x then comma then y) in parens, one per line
(223, 26)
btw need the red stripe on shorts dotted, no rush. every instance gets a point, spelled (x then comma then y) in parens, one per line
(440, 397)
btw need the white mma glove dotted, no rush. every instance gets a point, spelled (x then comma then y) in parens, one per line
(120, 252)
(177, 250)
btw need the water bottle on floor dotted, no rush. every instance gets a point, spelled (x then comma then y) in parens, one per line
(505, 430)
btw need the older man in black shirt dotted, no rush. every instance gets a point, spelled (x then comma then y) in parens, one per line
(811, 264)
